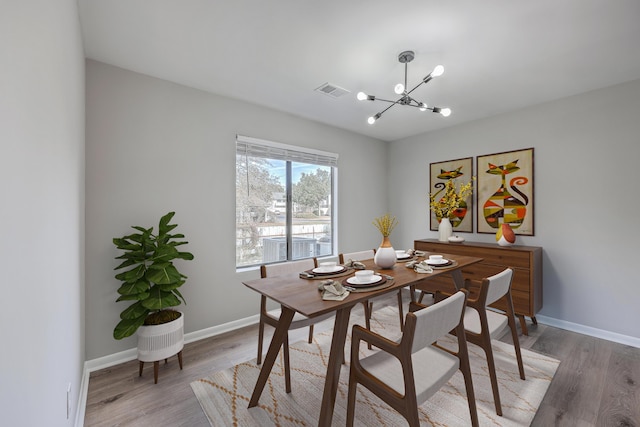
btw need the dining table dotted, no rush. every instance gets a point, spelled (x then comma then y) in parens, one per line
(297, 294)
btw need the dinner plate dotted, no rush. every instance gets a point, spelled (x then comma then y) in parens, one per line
(355, 281)
(328, 270)
(441, 262)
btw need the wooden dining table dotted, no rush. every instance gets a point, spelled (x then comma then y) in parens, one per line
(295, 294)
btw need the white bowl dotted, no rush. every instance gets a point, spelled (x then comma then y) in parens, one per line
(401, 253)
(435, 258)
(327, 265)
(364, 275)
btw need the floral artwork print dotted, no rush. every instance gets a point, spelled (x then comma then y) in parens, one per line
(458, 172)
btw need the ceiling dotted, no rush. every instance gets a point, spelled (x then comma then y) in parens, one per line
(499, 55)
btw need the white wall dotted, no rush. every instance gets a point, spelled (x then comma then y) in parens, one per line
(586, 198)
(42, 193)
(155, 146)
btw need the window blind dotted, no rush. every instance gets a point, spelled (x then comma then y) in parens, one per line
(248, 146)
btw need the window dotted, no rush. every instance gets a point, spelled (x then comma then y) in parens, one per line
(284, 202)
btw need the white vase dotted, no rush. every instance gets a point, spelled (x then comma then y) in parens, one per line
(385, 256)
(445, 230)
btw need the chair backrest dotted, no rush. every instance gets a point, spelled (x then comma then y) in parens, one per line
(436, 320)
(357, 256)
(499, 285)
(270, 270)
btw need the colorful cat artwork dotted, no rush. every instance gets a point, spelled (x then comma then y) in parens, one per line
(503, 207)
(459, 214)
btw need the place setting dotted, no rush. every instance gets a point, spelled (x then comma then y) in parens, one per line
(326, 270)
(367, 281)
(404, 256)
(431, 263)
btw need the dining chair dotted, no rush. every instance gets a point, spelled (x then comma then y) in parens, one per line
(271, 317)
(482, 324)
(406, 373)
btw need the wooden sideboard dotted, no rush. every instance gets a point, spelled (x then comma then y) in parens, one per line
(526, 261)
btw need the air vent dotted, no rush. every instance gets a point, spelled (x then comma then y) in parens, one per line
(332, 90)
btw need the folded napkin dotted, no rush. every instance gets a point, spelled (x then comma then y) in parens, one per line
(419, 267)
(332, 290)
(414, 252)
(355, 264)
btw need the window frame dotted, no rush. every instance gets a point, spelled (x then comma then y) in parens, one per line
(270, 150)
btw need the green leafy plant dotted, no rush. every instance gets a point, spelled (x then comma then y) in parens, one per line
(152, 281)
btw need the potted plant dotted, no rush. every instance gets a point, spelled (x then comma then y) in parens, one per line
(446, 206)
(151, 280)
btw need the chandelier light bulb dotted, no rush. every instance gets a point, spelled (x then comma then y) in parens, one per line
(423, 106)
(445, 112)
(399, 88)
(438, 71)
(371, 120)
(361, 96)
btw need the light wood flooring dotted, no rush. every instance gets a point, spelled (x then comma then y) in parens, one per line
(597, 382)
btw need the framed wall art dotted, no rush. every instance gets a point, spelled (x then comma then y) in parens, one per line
(461, 170)
(505, 191)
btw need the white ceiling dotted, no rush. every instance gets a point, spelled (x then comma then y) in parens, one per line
(499, 55)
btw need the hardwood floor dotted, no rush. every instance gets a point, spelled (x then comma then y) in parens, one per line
(597, 382)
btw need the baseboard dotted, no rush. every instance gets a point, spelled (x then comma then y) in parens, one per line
(587, 330)
(131, 354)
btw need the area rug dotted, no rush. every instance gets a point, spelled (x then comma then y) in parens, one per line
(224, 395)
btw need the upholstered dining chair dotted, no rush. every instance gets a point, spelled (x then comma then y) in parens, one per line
(406, 373)
(362, 255)
(482, 324)
(272, 317)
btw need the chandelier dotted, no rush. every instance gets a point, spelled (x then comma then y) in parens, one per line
(401, 89)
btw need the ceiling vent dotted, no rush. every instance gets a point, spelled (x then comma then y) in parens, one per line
(332, 90)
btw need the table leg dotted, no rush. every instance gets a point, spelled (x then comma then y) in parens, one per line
(458, 280)
(340, 330)
(277, 340)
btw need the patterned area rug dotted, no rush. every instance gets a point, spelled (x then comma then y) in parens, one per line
(224, 395)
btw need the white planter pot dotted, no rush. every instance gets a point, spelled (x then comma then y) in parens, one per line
(157, 342)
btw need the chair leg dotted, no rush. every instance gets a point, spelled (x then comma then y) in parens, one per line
(260, 338)
(367, 318)
(351, 399)
(287, 371)
(412, 417)
(180, 359)
(310, 334)
(488, 351)
(465, 367)
(156, 365)
(400, 309)
(516, 346)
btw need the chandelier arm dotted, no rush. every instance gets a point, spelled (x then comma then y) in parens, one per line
(385, 110)
(390, 101)
(416, 87)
